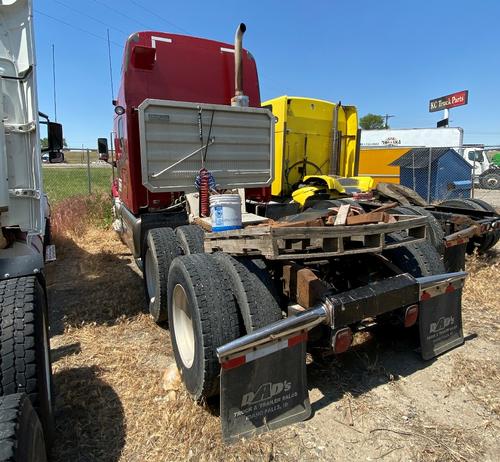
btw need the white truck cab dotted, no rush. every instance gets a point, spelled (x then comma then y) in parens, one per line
(475, 155)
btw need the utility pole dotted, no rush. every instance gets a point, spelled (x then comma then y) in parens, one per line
(387, 117)
(110, 68)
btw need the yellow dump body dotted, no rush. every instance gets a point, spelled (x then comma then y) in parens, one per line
(304, 140)
(375, 162)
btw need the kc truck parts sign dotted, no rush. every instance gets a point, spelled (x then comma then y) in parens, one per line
(447, 102)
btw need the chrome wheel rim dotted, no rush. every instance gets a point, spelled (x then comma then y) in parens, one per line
(149, 270)
(183, 326)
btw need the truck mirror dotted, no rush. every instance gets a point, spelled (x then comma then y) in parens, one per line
(56, 157)
(102, 149)
(55, 136)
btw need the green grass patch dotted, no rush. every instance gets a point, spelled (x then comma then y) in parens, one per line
(63, 182)
(80, 157)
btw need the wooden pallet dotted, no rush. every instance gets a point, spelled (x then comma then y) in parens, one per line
(282, 243)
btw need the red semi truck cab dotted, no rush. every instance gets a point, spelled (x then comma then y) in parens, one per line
(179, 96)
(159, 65)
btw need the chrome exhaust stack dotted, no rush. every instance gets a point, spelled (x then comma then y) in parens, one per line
(239, 99)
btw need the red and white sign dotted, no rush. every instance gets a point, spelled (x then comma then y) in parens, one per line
(447, 102)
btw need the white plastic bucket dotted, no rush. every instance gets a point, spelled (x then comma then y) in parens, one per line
(225, 211)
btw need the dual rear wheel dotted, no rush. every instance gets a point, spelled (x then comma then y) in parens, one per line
(212, 300)
(207, 299)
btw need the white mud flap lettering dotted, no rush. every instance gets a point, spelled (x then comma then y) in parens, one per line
(440, 323)
(264, 389)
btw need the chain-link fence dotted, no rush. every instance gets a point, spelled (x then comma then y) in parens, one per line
(81, 173)
(437, 173)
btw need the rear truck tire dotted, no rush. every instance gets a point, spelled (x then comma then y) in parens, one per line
(418, 259)
(490, 179)
(260, 268)
(257, 305)
(21, 433)
(481, 243)
(203, 316)
(190, 238)
(25, 365)
(434, 230)
(161, 247)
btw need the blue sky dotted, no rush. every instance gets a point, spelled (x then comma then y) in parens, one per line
(381, 56)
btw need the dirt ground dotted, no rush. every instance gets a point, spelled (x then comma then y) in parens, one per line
(380, 402)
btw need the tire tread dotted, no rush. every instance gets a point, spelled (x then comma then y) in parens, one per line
(217, 311)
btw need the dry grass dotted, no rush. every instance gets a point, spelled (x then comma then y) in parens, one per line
(75, 215)
(109, 357)
(108, 361)
(481, 309)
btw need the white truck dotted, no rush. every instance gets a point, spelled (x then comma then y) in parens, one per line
(486, 174)
(25, 368)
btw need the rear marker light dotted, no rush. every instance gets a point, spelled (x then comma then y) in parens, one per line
(342, 340)
(411, 315)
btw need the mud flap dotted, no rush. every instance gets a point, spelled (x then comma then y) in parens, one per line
(440, 323)
(264, 390)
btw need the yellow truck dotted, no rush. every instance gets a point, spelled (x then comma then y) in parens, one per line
(317, 156)
(317, 144)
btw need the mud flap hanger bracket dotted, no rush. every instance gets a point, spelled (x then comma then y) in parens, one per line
(263, 374)
(346, 308)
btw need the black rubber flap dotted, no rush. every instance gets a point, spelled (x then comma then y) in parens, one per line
(265, 394)
(440, 324)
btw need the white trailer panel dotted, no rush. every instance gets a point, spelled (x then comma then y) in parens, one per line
(414, 137)
(20, 162)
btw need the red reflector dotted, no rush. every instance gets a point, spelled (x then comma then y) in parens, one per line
(411, 315)
(292, 341)
(425, 296)
(450, 288)
(235, 362)
(342, 340)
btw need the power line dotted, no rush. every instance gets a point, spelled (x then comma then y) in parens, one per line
(75, 27)
(91, 17)
(121, 14)
(159, 17)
